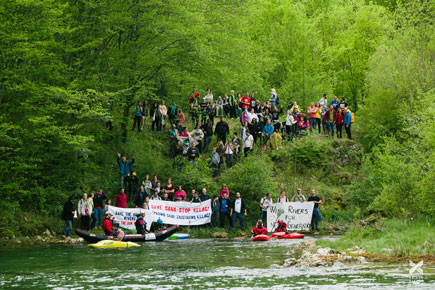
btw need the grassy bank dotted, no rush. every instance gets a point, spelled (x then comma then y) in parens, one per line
(392, 239)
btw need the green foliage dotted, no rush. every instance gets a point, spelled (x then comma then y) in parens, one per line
(67, 67)
(252, 178)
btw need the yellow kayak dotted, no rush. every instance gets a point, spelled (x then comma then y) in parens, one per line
(113, 244)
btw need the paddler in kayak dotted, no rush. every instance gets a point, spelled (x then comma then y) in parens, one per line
(117, 234)
(141, 225)
(282, 227)
(259, 229)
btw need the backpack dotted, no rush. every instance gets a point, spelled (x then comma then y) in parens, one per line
(277, 100)
(352, 117)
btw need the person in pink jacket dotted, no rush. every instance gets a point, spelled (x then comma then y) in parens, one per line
(225, 189)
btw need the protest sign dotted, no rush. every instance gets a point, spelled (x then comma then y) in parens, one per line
(127, 216)
(297, 215)
(181, 213)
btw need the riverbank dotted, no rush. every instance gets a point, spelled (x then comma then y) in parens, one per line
(389, 240)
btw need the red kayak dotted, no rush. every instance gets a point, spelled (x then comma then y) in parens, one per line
(291, 236)
(277, 234)
(260, 238)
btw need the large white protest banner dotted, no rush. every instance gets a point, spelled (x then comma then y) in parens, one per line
(127, 216)
(181, 213)
(297, 215)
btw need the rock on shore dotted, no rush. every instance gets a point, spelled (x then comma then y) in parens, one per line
(308, 253)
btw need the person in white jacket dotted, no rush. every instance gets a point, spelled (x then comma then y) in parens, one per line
(290, 125)
(197, 134)
(84, 212)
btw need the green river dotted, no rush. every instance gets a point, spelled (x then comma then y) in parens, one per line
(191, 264)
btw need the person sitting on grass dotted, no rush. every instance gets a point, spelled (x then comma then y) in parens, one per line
(259, 229)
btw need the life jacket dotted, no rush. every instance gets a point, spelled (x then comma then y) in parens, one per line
(259, 231)
(107, 226)
(282, 227)
(118, 234)
(140, 225)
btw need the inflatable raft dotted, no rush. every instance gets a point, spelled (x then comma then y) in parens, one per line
(260, 238)
(113, 244)
(150, 237)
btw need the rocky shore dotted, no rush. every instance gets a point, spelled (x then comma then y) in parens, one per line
(308, 253)
(47, 238)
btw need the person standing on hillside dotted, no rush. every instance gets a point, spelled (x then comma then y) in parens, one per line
(265, 202)
(323, 101)
(224, 210)
(193, 154)
(68, 215)
(137, 116)
(121, 199)
(316, 213)
(84, 212)
(282, 198)
(163, 112)
(98, 207)
(221, 130)
(298, 196)
(207, 130)
(347, 122)
(238, 211)
(124, 166)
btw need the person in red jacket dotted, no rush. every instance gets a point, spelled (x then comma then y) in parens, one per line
(259, 229)
(121, 199)
(245, 101)
(107, 224)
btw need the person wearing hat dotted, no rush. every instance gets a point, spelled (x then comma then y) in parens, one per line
(117, 233)
(107, 224)
(298, 196)
(141, 225)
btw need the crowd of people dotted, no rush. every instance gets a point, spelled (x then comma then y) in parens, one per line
(261, 125)
(226, 211)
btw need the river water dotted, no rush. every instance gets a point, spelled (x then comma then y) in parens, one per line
(191, 264)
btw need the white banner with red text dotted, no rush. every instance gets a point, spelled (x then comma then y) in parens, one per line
(126, 217)
(181, 213)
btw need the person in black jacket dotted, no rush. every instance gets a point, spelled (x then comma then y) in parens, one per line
(208, 134)
(221, 130)
(238, 211)
(98, 207)
(68, 215)
(193, 154)
(140, 197)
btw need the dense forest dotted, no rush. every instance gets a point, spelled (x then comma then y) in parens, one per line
(68, 66)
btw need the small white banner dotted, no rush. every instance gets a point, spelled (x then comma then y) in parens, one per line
(297, 215)
(181, 213)
(126, 217)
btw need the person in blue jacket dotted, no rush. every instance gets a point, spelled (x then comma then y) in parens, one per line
(124, 166)
(347, 122)
(267, 132)
(334, 103)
